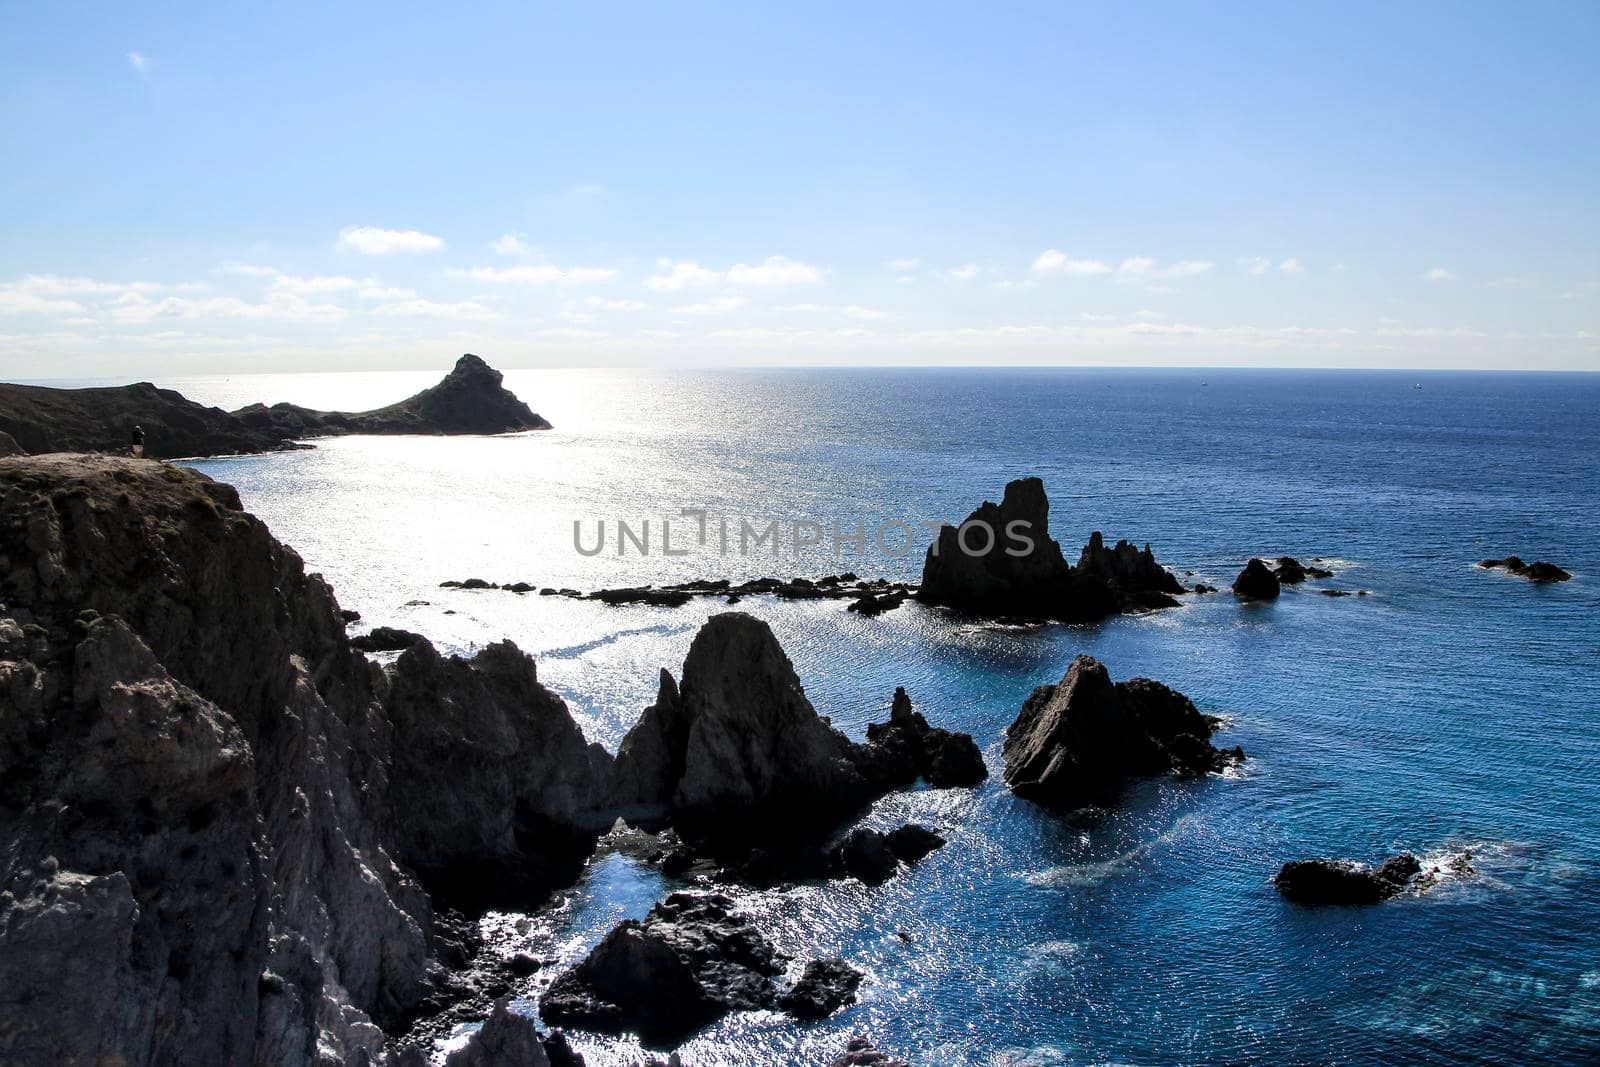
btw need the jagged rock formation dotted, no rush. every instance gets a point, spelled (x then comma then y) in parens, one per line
(735, 757)
(1322, 881)
(1290, 571)
(911, 749)
(1002, 562)
(1077, 742)
(207, 796)
(503, 798)
(1256, 582)
(692, 960)
(509, 1039)
(470, 400)
(38, 419)
(824, 988)
(1538, 571)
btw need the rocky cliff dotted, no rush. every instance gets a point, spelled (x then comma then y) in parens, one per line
(211, 806)
(36, 419)
(1001, 561)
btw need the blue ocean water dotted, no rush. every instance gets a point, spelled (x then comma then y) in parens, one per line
(1451, 710)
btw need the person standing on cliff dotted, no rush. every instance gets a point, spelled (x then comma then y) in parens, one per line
(137, 448)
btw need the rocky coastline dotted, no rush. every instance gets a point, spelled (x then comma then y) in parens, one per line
(470, 399)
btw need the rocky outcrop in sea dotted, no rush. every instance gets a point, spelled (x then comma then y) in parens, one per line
(1538, 571)
(1001, 562)
(1323, 881)
(1077, 742)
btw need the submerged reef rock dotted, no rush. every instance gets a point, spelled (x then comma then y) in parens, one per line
(861, 1052)
(1538, 571)
(1321, 881)
(692, 960)
(37, 419)
(471, 399)
(737, 759)
(1077, 742)
(1256, 582)
(1002, 562)
(212, 806)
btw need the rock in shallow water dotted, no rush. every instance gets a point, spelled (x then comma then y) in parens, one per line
(1323, 881)
(824, 988)
(860, 1052)
(1077, 742)
(1538, 571)
(1256, 582)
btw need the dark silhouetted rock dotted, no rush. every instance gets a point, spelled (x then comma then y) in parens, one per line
(666, 598)
(1538, 571)
(506, 1039)
(824, 988)
(1077, 742)
(471, 399)
(912, 842)
(692, 960)
(1334, 592)
(385, 639)
(866, 856)
(1289, 571)
(906, 748)
(861, 1053)
(1256, 582)
(1320, 881)
(1002, 563)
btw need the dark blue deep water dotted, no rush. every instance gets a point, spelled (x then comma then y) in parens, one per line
(1453, 710)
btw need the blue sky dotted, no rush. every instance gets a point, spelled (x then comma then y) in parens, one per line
(211, 187)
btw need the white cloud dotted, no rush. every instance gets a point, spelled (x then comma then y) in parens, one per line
(1438, 274)
(900, 266)
(681, 274)
(573, 334)
(543, 274)
(720, 305)
(381, 292)
(321, 284)
(510, 244)
(1055, 261)
(964, 273)
(1291, 266)
(1254, 264)
(850, 311)
(17, 302)
(138, 61)
(774, 270)
(55, 285)
(1137, 265)
(136, 308)
(615, 305)
(465, 311)
(374, 241)
(1186, 268)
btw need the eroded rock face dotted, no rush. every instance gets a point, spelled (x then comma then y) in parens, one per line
(1077, 742)
(1002, 562)
(506, 1039)
(1321, 881)
(692, 960)
(1256, 582)
(736, 759)
(824, 988)
(861, 1052)
(503, 798)
(200, 856)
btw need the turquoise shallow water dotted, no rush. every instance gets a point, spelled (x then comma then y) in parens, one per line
(1451, 709)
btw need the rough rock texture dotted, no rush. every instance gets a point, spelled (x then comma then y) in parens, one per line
(41, 419)
(1538, 571)
(1021, 572)
(383, 638)
(860, 1052)
(865, 855)
(1077, 742)
(1322, 881)
(9, 446)
(909, 748)
(736, 757)
(506, 1039)
(503, 797)
(201, 815)
(470, 400)
(1256, 582)
(912, 842)
(824, 988)
(692, 960)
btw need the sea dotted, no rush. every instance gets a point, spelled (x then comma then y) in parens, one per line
(1453, 711)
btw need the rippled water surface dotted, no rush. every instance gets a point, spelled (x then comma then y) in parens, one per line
(1452, 709)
